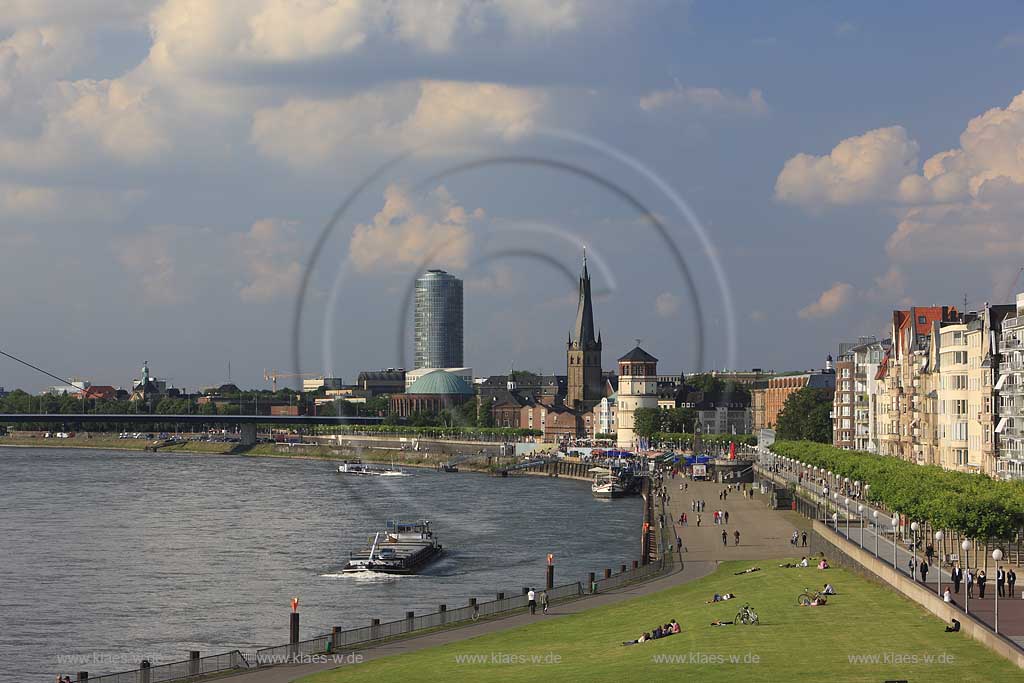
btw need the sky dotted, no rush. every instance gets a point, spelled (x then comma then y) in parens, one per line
(753, 182)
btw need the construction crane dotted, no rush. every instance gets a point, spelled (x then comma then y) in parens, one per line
(273, 375)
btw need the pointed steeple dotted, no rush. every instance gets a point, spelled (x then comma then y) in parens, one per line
(583, 331)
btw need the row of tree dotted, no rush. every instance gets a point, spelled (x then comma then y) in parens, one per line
(973, 504)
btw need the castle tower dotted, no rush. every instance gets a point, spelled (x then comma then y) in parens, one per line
(584, 385)
(638, 388)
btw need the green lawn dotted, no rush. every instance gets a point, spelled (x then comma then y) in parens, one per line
(791, 644)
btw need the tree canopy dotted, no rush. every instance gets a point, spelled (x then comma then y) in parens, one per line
(806, 416)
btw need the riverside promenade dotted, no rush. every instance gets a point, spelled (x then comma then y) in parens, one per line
(764, 535)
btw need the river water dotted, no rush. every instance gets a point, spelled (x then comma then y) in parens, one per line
(109, 557)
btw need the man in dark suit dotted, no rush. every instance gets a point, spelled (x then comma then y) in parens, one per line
(1000, 581)
(1011, 578)
(957, 575)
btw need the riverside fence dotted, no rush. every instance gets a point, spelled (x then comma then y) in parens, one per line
(327, 644)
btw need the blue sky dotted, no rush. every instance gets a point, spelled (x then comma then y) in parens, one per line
(166, 166)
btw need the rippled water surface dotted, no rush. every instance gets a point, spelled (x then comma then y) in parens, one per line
(117, 556)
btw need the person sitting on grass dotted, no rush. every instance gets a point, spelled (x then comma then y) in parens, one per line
(676, 628)
(719, 622)
(829, 589)
(823, 564)
(720, 598)
(656, 633)
(816, 602)
(666, 630)
(642, 639)
(954, 628)
(802, 562)
(752, 570)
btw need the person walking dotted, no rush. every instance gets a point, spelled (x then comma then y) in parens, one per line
(725, 538)
(982, 579)
(531, 598)
(970, 582)
(957, 575)
(924, 572)
(686, 520)
(1000, 582)
(911, 568)
(792, 539)
(803, 538)
(736, 535)
(726, 516)
(544, 602)
(1011, 578)
(698, 519)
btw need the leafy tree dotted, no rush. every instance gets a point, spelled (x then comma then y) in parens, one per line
(805, 416)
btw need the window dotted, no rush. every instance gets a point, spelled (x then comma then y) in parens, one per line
(921, 320)
(960, 407)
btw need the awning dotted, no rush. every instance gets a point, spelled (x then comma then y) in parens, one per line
(1001, 382)
(1001, 426)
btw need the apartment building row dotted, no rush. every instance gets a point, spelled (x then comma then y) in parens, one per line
(946, 389)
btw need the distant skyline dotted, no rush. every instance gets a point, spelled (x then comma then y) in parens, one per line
(166, 167)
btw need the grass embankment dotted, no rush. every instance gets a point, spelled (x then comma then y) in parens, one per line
(836, 642)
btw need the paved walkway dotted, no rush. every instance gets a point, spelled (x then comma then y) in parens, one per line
(764, 534)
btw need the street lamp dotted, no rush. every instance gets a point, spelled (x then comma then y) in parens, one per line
(895, 524)
(914, 526)
(824, 493)
(997, 555)
(835, 521)
(966, 547)
(938, 570)
(860, 519)
(874, 517)
(847, 503)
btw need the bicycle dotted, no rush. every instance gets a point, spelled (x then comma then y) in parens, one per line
(809, 596)
(747, 616)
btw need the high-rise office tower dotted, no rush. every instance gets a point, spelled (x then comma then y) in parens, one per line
(438, 320)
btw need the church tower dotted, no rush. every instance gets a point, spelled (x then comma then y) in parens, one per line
(583, 353)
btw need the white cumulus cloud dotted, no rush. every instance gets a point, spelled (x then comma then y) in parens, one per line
(411, 232)
(831, 301)
(861, 168)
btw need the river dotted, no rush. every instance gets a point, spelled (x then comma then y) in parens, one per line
(109, 557)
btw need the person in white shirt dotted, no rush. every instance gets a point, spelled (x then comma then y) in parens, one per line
(946, 596)
(531, 598)
(803, 562)
(829, 590)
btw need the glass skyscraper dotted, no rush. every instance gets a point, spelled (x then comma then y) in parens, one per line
(438, 320)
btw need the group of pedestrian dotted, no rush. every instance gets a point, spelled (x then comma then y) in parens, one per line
(798, 538)
(697, 505)
(721, 517)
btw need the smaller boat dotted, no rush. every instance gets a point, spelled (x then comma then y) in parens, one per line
(449, 468)
(606, 484)
(357, 468)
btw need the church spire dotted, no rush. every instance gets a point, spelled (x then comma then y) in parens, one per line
(584, 328)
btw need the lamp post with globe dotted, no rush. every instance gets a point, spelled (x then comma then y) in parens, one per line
(997, 555)
(966, 547)
(895, 525)
(874, 517)
(938, 570)
(860, 521)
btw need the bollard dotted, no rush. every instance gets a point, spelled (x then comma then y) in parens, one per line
(293, 630)
(501, 596)
(144, 672)
(335, 637)
(623, 569)
(193, 663)
(607, 573)
(83, 675)
(636, 564)
(374, 629)
(472, 602)
(550, 582)
(526, 590)
(592, 580)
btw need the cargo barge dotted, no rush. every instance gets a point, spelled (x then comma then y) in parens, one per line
(402, 548)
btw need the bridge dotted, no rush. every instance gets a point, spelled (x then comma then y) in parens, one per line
(246, 423)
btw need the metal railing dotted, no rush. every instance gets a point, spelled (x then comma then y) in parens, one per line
(190, 668)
